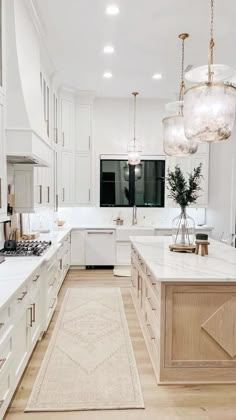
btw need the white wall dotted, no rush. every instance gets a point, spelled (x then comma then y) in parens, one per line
(113, 129)
(222, 187)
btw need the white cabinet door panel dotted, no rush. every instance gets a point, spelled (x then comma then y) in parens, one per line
(67, 178)
(82, 179)
(67, 124)
(78, 248)
(83, 128)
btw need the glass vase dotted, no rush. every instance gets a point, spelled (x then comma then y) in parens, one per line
(183, 229)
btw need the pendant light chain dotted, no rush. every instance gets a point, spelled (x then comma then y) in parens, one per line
(135, 96)
(182, 36)
(211, 45)
(182, 85)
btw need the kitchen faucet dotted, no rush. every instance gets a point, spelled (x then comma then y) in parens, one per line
(134, 216)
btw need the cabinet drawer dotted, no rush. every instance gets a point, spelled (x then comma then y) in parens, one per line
(5, 351)
(5, 319)
(35, 279)
(5, 388)
(152, 318)
(21, 299)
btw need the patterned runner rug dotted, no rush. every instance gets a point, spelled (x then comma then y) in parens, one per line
(89, 363)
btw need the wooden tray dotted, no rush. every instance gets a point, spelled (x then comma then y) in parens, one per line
(182, 248)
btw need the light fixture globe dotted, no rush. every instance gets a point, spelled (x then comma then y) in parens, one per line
(209, 106)
(174, 141)
(134, 150)
(209, 111)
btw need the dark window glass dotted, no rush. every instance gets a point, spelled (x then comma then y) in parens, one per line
(124, 185)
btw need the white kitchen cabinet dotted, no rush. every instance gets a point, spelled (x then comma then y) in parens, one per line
(24, 188)
(67, 121)
(55, 119)
(3, 171)
(123, 253)
(82, 179)
(100, 247)
(83, 128)
(78, 238)
(67, 178)
(35, 317)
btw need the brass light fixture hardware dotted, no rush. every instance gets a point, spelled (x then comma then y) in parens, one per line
(174, 141)
(209, 106)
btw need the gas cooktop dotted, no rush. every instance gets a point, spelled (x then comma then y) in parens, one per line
(26, 249)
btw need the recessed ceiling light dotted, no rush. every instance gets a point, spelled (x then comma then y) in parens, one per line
(107, 75)
(112, 10)
(108, 49)
(157, 76)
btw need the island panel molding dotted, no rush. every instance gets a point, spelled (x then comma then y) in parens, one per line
(221, 326)
(188, 325)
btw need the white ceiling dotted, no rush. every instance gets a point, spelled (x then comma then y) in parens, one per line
(145, 39)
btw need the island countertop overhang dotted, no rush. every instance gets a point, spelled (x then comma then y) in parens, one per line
(167, 266)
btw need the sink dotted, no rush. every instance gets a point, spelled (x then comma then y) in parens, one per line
(123, 233)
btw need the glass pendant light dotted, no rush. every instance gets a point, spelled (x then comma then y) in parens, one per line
(174, 141)
(134, 147)
(138, 172)
(209, 106)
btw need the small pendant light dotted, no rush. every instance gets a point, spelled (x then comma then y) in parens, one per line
(174, 141)
(134, 148)
(209, 106)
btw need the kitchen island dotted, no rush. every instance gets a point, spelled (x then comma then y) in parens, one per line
(186, 305)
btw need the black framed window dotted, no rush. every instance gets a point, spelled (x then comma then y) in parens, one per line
(123, 185)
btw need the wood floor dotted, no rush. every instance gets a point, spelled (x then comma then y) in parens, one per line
(206, 402)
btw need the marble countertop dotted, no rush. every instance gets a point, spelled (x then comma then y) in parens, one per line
(15, 271)
(130, 226)
(219, 265)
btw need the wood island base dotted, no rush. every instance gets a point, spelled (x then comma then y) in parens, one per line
(189, 327)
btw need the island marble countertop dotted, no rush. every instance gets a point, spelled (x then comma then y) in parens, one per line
(166, 266)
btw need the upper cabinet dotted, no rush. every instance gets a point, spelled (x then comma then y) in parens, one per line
(83, 128)
(1, 54)
(74, 163)
(3, 171)
(67, 123)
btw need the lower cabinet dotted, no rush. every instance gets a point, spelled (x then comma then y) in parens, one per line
(78, 247)
(26, 317)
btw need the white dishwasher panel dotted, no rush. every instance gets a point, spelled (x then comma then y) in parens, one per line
(100, 247)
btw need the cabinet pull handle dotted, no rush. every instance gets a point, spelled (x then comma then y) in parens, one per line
(54, 301)
(89, 195)
(100, 233)
(33, 312)
(63, 139)
(56, 135)
(40, 200)
(150, 303)
(48, 194)
(36, 278)
(63, 194)
(60, 264)
(22, 296)
(54, 279)
(89, 142)
(31, 316)
(2, 362)
(152, 336)
(56, 202)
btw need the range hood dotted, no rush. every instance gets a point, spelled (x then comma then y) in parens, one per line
(26, 137)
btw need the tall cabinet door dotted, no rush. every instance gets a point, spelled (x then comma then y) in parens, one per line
(82, 179)
(66, 124)
(3, 175)
(67, 178)
(83, 128)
